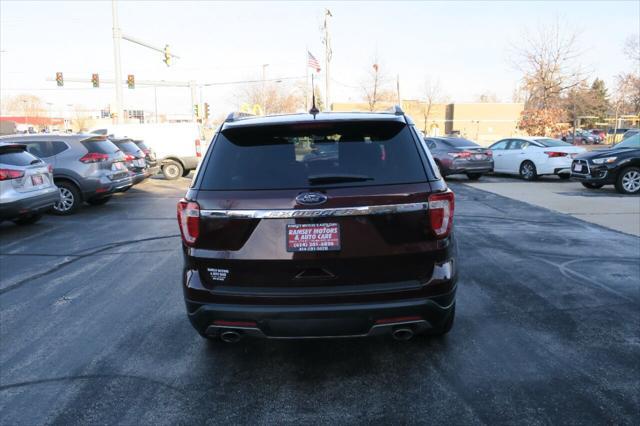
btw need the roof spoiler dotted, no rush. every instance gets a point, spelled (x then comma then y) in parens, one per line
(7, 146)
(396, 109)
(237, 116)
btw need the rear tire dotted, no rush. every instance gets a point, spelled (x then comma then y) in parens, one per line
(172, 170)
(28, 219)
(474, 176)
(592, 185)
(628, 181)
(99, 201)
(70, 199)
(528, 171)
(185, 173)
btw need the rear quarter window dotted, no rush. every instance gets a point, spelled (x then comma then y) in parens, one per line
(313, 155)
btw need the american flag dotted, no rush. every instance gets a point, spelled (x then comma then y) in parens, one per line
(313, 62)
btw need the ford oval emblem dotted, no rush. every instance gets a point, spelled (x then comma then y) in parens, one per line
(311, 198)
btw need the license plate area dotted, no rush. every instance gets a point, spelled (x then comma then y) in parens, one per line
(117, 166)
(36, 180)
(305, 237)
(577, 167)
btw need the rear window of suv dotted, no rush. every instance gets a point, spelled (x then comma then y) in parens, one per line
(17, 157)
(128, 147)
(100, 145)
(302, 155)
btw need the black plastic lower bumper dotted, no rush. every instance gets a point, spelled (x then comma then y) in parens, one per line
(312, 321)
(29, 205)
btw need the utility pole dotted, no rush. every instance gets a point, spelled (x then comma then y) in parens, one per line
(192, 86)
(117, 35)
(327, 59)
(264, 81)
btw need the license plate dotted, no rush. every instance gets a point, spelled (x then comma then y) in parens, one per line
(313, 237)
(37, 180)
(478, 157)
(140, 163)
(577, 167)
(117, 166)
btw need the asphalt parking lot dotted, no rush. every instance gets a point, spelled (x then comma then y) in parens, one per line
(93, 330)
(604, 206)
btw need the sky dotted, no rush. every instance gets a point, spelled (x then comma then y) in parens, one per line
(464, 45)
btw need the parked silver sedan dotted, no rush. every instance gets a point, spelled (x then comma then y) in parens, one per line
(26, 185)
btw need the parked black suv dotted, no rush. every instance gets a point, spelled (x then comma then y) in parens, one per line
(354, 240)
(619, 166)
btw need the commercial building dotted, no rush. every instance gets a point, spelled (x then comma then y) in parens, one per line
(482, 122)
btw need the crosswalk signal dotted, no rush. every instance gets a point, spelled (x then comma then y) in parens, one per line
(59, 79)
(196, 110)
(167, 56)
(206, 110)
(95, 80)
(131, 81)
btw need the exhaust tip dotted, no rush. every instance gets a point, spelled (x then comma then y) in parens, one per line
(230, 336)
(402, 334)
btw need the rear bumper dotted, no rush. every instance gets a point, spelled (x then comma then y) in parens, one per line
(34, 204)
(462, 166)
(321, 321)
(137, 177)
(103, 186)
(421, 307)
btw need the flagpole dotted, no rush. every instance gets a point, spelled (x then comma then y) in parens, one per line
(306, 80)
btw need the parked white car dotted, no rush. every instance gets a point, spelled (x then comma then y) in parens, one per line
(534, 156)
(178, 146)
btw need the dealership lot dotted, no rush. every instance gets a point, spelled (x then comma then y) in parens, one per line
(93, 328)
(603, 206)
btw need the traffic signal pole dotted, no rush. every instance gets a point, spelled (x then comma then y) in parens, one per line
(117, 35)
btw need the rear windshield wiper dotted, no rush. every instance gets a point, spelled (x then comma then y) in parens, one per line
(328, 178)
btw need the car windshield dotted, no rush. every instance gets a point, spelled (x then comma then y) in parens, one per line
(630, 142)
(548, 142)
(303, 155)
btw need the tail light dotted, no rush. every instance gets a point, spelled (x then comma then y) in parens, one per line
(50, 168)
(94, 157)
(189, 221)
(488, 153)
(463, 154)
(146, 151)
(9, 174)
(553, 154)
(129, 157)
(198, 148)
(441, 208)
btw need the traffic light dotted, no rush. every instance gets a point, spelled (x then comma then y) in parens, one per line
(206, 110)
(196, 110)
(167, 56)
(59, 79)
(95, 80)
(131, 81)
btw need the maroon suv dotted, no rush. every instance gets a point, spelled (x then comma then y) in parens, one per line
(325, 225)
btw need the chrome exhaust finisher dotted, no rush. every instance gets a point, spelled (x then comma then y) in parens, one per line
(402, 334)
(230, 336)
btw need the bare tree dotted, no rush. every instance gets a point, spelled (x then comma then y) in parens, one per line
(27, 105)
(547, 60)
(81, 121)
(375, 87)
(432, 93)
(272, 98)
(487, 97)
(632, 48)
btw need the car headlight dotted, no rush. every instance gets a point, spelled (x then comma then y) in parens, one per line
(605, 160)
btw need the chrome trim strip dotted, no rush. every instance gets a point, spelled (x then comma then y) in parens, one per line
(330, 212)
